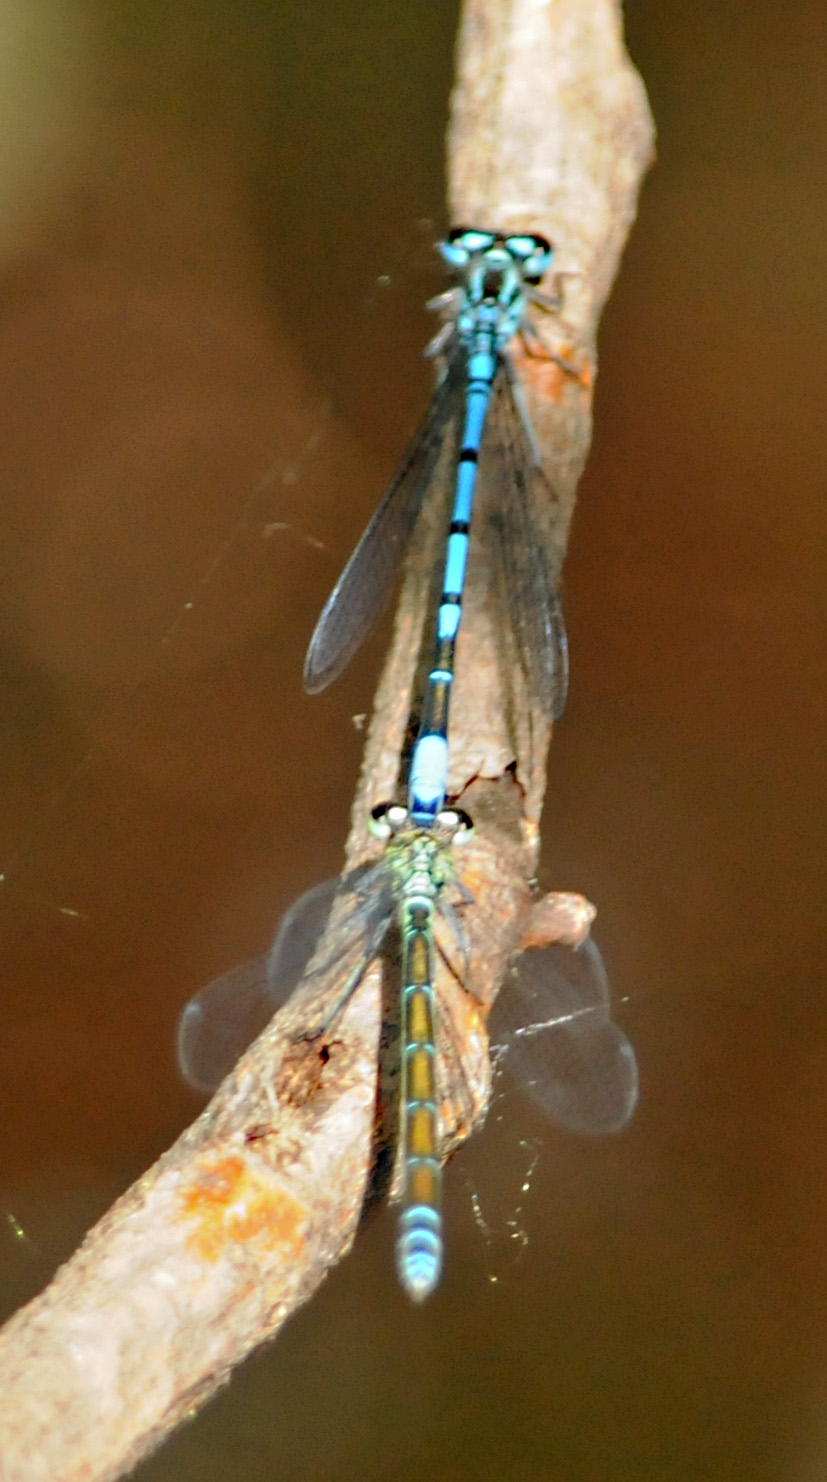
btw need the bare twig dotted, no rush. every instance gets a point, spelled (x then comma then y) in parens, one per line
(237, 1224)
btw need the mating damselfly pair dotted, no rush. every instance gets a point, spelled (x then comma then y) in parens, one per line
(554, 1024)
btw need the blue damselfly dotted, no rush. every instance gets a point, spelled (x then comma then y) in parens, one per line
(477, 414)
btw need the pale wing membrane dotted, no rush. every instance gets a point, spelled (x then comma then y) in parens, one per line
(219, 1022)
(364, 586)
(558, 1042)
(520, 545)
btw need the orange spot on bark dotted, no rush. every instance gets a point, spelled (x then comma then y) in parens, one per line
(548, 378)
(472, 1018)
(475, 877)
(231, 1202)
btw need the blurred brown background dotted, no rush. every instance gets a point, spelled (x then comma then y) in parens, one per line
(215, 242)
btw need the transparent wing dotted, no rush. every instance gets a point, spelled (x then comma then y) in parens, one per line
(223, 1018)
(364, 586)
(220, 1021)
(554, 1035)
(520, 544)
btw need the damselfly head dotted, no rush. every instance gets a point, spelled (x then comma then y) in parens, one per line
(387, 821)
(530, 252)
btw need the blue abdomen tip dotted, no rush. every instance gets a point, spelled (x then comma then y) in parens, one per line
(419, 1256)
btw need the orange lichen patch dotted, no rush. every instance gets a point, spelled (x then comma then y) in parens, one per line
(469, 1021)
(475, 875)
(580, 366)
(548, 374)
(231, 1202)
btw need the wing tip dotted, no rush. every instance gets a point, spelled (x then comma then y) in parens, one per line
(317, 675)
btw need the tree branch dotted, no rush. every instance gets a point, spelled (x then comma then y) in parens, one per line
(238, 1222)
